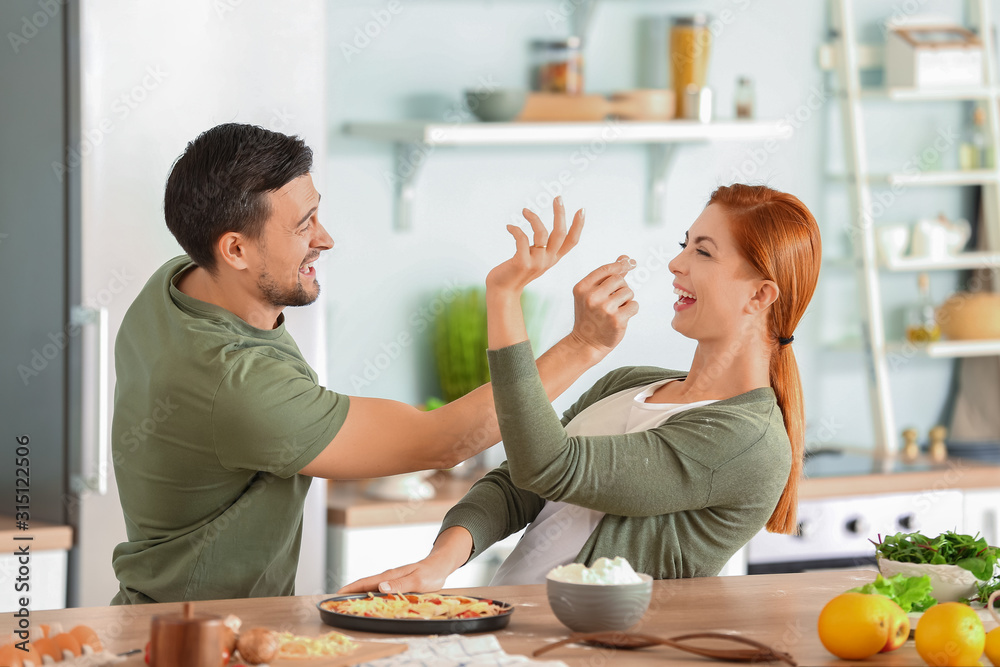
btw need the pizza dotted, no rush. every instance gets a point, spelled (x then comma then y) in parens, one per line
(428, 607)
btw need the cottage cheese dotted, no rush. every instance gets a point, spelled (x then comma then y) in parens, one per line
(604, 572)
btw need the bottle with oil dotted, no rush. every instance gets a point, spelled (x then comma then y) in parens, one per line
(921, 325)
(974, 152)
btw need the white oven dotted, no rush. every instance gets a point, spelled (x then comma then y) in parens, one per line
(835, 533)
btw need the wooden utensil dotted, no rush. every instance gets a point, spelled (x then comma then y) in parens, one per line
(186, 640)
(759, 652)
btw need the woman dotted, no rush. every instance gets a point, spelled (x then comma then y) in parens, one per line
(674, 471)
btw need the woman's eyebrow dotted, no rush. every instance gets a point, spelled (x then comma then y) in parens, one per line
(706, 238)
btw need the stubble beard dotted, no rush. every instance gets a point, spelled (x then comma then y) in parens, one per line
(276, 295)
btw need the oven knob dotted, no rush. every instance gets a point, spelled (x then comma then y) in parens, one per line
(908, 522)
(858, 526)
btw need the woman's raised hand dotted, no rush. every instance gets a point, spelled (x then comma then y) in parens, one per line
(532, 259)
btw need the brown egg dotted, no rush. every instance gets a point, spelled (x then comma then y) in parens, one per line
(257, 645)
(87, 637)
(67, 642)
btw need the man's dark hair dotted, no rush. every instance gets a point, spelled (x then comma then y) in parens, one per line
(220, 183)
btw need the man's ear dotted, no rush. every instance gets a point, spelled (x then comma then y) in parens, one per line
(232, 248)
(766, 294)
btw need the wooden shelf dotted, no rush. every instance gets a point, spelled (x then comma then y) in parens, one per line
(661, 138)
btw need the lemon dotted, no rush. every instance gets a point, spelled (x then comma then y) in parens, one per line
(950, 634)
(854, 626)
(993, 646)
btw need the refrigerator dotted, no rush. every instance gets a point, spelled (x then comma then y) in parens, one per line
(109, 92)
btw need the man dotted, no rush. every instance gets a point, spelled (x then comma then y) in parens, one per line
(213, 496)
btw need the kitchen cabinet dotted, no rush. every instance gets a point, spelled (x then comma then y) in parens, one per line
(47, 566)
(415, 141)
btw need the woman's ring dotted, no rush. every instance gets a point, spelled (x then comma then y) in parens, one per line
(538, 246)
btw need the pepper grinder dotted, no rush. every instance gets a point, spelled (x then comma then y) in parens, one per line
(910, 449)
(938, 450)
(186, 640)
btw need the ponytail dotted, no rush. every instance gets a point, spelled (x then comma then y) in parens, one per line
(779, 237)
(787, 386)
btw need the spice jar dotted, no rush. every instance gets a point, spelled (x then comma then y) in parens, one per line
(558, 66)
(744, 98)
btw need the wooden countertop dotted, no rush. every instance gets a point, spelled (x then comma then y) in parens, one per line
(778, 609)
(347, 505)
(45, 536)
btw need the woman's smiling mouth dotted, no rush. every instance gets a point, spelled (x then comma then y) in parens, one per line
(685, 299)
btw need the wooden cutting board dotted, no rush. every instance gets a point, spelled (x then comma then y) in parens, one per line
(365, 652)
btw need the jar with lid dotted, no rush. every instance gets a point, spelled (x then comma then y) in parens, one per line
(744, 98)
(690, 47)
(558, 66)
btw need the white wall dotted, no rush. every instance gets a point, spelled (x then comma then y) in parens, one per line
(417, 67)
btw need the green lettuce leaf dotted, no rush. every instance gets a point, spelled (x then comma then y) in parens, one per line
(910, 593)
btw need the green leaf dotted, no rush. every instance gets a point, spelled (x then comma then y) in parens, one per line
(910, 593)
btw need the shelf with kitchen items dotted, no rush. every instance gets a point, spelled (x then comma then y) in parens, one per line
(661, 137)
(907, 60)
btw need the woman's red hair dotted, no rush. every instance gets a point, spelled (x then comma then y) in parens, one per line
(779, 237)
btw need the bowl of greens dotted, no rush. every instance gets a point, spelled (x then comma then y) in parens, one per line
(956, 564)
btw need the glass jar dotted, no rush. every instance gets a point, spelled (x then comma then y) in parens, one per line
(744, 98)
(558, 66)
(690, 47)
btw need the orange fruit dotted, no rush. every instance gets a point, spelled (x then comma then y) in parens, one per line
(67, 642)
(992, 646)
(87, 637)
(950, 633)
(854, 626)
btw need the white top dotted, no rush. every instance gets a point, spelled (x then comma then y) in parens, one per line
(560, 530)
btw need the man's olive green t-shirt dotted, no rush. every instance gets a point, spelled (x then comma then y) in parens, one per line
(213, 420)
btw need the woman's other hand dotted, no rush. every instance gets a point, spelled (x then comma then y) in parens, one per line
(532, 259)
(450, 551)
(603, 306)
(424, 576)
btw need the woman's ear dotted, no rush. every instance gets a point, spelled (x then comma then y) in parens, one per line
(766, 294)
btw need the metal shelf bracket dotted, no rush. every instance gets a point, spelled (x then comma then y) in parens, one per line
(409, 160)
(661, 159)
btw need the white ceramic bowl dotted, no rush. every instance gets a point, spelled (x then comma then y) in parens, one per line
(599, 607)
(949, 583)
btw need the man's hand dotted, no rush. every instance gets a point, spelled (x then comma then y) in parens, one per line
(603, 306)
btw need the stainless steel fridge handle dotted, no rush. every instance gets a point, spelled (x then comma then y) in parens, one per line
(97, 479)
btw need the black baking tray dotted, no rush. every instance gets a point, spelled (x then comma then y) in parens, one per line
(414, 626)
